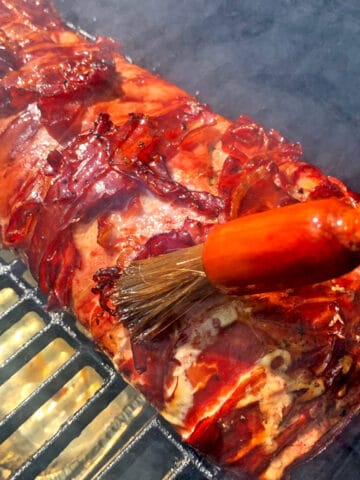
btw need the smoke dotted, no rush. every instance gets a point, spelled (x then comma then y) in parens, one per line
(292, 65)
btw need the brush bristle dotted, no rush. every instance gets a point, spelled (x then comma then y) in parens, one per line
(153, 293)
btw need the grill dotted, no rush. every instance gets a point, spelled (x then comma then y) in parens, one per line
(66, 414)
(64, 411)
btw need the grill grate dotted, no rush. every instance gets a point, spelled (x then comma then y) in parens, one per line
(65, 413)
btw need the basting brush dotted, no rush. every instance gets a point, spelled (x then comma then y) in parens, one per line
(282, 248)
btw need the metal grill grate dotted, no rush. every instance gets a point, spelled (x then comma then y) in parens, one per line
(64, 412)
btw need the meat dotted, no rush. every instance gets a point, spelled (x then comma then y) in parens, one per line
(102, 163)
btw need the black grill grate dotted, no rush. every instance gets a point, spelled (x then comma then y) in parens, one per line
(132, 442)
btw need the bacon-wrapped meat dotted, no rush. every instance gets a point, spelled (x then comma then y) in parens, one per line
(102, 163)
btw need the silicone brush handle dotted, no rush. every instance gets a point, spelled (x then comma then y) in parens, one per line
(285, 247)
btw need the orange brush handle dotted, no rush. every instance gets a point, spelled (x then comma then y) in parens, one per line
(285, 247)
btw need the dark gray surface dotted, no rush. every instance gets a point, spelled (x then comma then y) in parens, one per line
(293, 65)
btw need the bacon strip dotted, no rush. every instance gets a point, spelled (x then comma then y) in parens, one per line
(101, 163)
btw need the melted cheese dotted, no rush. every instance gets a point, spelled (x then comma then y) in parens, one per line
(289, 454)
(273, 398)
(226, 314)
(180, 393)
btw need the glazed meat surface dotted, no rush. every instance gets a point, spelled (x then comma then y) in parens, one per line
(103, 162)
